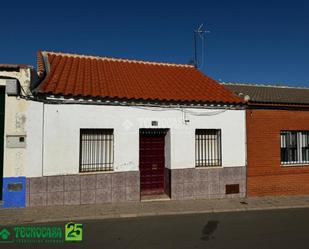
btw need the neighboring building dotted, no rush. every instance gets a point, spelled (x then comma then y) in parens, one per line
(277, 139)
(17, 145)
(120, 130)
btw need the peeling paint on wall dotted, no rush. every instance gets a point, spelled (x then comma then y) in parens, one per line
(20, 122)
(18, 166)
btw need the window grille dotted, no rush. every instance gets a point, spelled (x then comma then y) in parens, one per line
(208, 147)
(294, 147)
(96, 150)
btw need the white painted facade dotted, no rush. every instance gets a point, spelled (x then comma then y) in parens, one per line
(53, 131)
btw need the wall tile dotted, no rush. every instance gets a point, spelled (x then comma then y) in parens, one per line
(177, 191)
(87, 196)
(201, 174)
(55, 183)
(72, 183)
(225, 174)
(244, 172)
(214, 175)
(214, 188)
(223, 187)
(38, 185)
(133, 193)
(188, 190)
(88, 182)
(54, 198)
(201, 188)
(72, 198)
(104, 180)
(103, 195)
(132, 178)
(119, 180)
(118, 194)
(242, 186)
(38, 199)
(189, 175)
(176, 176)
(232, 173)
(238, 173)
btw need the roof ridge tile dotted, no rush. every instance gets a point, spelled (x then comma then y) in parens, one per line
(118, 59)
(263, 85)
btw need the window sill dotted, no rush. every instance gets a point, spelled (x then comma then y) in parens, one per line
(208, 167)
(295, 165)
(96, 172)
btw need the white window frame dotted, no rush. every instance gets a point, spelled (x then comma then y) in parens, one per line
(302, 139)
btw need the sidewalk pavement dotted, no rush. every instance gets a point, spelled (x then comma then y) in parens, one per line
(149, 208)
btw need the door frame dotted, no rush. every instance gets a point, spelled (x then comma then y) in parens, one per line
(165, 132)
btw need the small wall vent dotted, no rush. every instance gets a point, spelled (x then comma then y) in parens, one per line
(232, 189)
(154, 123)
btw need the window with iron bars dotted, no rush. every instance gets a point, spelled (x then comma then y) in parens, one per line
(208, 148)
(294, 147)
(96, 150)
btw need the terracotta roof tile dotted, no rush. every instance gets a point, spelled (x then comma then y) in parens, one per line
(40, 63)
(90, 76)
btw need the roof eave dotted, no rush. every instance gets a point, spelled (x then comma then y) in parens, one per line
(276, 104)
(99, 100)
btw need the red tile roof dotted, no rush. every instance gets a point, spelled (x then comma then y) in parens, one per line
(90, 76)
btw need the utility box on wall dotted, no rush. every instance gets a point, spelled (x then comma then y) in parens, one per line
(16, 141)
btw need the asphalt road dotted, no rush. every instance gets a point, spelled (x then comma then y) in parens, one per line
(250, 230)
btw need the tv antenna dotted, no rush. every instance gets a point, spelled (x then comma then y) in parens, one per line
(199, 33)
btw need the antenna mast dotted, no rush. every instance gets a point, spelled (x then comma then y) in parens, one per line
(199, 32)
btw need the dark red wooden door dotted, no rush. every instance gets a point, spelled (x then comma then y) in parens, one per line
(152, 160)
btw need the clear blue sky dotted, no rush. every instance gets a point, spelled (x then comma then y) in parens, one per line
(250, 41)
